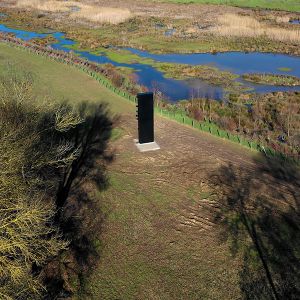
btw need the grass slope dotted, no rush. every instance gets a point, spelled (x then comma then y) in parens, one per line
(60, 81)
(288, 5)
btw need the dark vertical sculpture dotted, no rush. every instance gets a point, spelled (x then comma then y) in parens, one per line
(145, 116)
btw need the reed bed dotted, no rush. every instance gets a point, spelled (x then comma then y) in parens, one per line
(87, 12)
(101, 14)
(244, 26)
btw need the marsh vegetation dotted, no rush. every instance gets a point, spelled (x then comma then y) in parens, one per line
(206, 73)
(272, 120)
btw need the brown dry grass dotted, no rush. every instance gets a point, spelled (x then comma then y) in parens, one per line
(142, 8)
(244, 26)
(102, 14)
(87, 12)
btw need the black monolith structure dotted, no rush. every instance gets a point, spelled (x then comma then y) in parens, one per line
(145, 116)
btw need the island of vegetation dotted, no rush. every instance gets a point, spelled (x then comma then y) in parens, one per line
(206, 73)
(272, 79)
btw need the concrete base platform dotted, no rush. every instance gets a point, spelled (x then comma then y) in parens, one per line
(146, 146)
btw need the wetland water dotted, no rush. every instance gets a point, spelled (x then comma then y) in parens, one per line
(235, 62)
(295, 22)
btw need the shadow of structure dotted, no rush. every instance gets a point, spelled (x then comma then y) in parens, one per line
(260, 218)
(75, 167)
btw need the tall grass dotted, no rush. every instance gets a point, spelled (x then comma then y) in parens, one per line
(87, 12)
(244, 26)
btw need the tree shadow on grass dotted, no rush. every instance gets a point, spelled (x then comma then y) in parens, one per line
(261, 220)
(72, 148)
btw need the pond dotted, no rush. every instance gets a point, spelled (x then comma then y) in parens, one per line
(295, 21)
(235, 62)
(74, 8)
(170, 32)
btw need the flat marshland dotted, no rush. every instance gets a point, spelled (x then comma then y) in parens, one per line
(144, 25)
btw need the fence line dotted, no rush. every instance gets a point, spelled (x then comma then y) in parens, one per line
(176, 116)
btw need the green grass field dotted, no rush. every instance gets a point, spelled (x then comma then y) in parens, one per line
(145, 251)
(288, 5)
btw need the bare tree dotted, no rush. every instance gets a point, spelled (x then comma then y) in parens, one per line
(46, 153)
